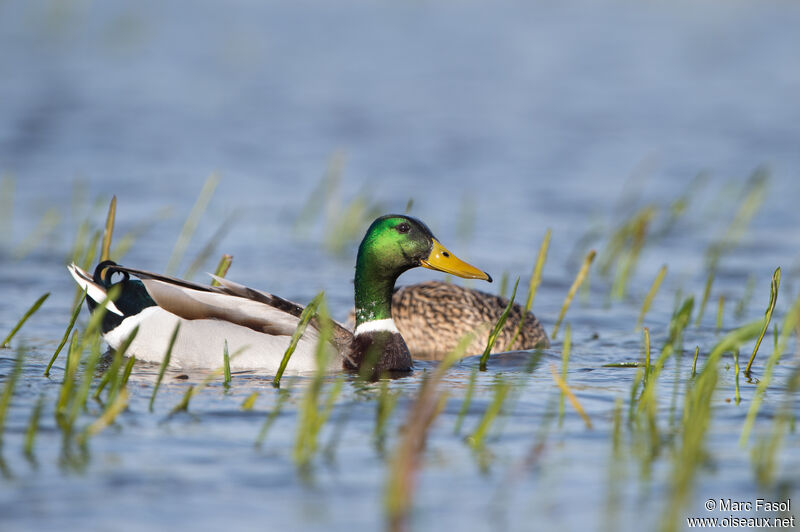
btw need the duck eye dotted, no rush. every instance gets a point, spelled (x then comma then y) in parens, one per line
(403, 228)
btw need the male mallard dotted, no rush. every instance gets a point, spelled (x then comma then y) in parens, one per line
(433, 316)
(259, 325)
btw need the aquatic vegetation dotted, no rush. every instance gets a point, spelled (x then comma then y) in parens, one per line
(533, 284)
(249, 401)
(283, 395)
(163, 367)
(30, 312)
(226, 364)
(501, 321)
(115, 407)
(407, 456)
(773, 298)
(222, 268)
(508, 416)
(467, 400)
(567, 346)
(790, 325)
(387, 401)
(33, 427)
(651, 294)
(582, 275)
(190, 225)
(312, 417)
(64, 339)
(8, 389)
(343, 221)
(305, 317)
(501, 390)
(108, 232)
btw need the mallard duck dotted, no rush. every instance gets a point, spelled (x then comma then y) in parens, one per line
(433, 316)
(258, 325)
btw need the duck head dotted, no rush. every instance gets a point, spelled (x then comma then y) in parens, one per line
(392, 245)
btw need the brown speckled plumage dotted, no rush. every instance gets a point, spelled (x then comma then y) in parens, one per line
(434, 315)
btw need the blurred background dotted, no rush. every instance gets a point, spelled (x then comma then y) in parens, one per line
(497, 119)
(658, 133)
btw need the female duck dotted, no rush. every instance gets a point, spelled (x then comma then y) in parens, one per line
(433, 317)
(257, 325)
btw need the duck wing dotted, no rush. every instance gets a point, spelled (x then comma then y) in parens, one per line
(232, 302)
(249, 308)
(240, 290)
(342, 335)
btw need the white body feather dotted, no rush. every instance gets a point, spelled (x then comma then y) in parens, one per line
(201, 340)
(201, 343)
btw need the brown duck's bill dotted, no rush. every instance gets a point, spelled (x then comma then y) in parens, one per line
(442, 260)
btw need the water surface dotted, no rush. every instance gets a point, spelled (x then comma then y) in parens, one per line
(500, 121)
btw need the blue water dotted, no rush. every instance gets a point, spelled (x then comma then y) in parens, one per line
(506, 118)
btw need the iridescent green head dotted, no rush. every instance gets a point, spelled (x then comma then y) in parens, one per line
(393, 244)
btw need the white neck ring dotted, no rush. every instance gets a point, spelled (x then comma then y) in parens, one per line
(386, 325)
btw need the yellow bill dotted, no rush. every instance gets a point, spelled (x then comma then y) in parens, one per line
(444, 261)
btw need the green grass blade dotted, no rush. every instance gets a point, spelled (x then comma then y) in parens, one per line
(501, 390)
(564, 367)
(191, 223)
(117, 406)
(249, 401)
(81, 394)
(706, 294)
(105, 254)
(773, 298)
(646, 354)
(305, 317)
(694, 360)
(208, 248)
(406, 460)
(164, 364)
(222, 268)
(283, 395)
(571, 396)
(71, 366)
(226, 360)
(501, 321)
(183, 404)
(503, 286)
(749, 290)
(127, 373)
(467, 400)
(533, 284)
(651, 294)
(736, 370)
(24, 318)
(8, 389)
(790, 323)
(47, 225)
(582, 274)
(386, 403)
(64, 339)
(112, 375)
(33, 427)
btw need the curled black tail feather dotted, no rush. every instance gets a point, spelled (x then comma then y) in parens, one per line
(105, 270)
